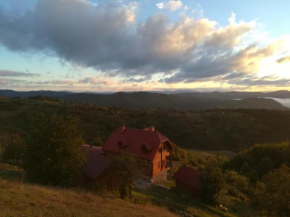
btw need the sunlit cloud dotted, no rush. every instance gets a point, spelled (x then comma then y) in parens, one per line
(170, 5)
(283, 59)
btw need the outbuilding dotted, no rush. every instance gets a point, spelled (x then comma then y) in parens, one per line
(187, 179)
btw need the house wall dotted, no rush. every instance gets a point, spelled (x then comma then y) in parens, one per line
(104, 181)
(160, 177)
(162, 158)
(188, 189)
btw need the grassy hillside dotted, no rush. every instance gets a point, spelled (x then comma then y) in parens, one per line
(207, 130)
(22, 199)
(19, 199)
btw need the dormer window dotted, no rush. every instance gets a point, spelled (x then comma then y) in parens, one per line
(123, 143)
(146, 147)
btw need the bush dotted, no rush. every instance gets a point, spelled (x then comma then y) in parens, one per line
(233, 191)
(272, 195)
(211, 179)
(54, 155)
(14, 150)
(239, 182)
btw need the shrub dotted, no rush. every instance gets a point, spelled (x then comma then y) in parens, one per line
(14, 150)
(233, 191)
(272, 195)
(239, 182)
(54, 155)
(211, 179)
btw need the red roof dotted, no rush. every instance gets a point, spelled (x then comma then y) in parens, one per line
(97, 162)
(188, 176)
(133, 140)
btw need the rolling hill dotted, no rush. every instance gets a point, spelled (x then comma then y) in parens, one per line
(180, 101)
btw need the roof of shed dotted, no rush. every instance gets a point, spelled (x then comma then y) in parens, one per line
(97, 162)
(188, 176)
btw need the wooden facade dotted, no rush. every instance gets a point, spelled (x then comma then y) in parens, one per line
(162, 160)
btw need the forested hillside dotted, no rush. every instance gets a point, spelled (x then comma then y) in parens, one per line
(223, 129)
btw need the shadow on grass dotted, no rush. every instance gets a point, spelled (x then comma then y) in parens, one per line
(11, 172)
(242, 209)
(175, 201)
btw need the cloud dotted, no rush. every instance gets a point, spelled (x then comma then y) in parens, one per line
(283, 59)
(170, 5)
(233, 75)
(95, 81)
(264, 81)
(160, 5)
(106, 37)
(8, 73)
(55, 82)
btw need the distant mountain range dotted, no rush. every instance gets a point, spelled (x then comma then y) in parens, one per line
(182, 101)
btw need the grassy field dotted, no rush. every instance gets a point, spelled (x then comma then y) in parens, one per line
(179, 201)
(18, 199)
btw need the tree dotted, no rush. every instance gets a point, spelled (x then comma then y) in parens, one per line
(54, 155)
(1, 151)
(14, 150)
(236, 180)
(129, 169)
(211, 179)
(97, 141)
(272, 195)
(265, 166)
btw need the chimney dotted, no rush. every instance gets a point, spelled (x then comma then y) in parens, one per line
(152, 128)
(123, 129)
(91, 145)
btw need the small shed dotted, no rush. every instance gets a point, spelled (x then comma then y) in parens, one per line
(95, 169)
(187, 179)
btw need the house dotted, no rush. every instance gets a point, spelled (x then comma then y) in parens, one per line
(147, 144)
(187, 179)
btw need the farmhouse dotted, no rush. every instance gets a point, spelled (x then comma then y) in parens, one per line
(187, 179)
(147, 144)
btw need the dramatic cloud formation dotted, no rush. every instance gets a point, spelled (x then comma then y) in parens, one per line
(106, 37)
(7, 73)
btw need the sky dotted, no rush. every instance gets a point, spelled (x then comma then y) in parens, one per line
(122, 45)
